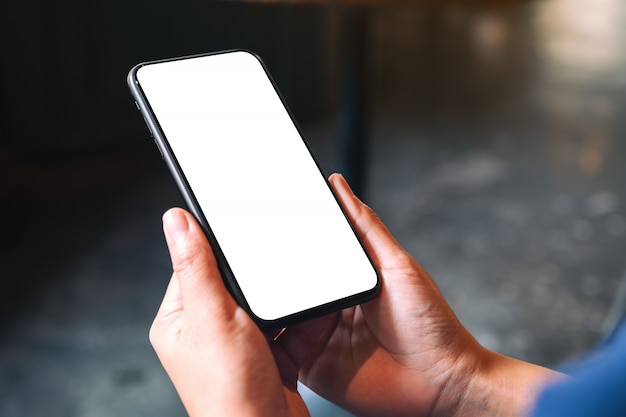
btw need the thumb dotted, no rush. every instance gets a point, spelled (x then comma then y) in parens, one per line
(384, 249)
(201, 287)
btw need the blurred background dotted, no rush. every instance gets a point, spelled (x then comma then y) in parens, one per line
(490, 139)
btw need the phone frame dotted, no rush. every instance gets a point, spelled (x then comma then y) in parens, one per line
(193, 205)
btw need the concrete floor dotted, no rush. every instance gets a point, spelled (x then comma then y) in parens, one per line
(516, 207)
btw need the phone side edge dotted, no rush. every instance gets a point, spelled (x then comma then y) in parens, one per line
(181, 182)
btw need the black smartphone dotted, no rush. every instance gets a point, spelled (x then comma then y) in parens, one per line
(285, 248)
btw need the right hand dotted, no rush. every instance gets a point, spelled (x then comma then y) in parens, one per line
(405, 352)
(393, 355)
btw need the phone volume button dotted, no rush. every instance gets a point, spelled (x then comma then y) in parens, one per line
(149, 128)
(159, 148)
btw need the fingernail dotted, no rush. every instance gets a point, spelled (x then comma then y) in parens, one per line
(175, 223)
(342, 183)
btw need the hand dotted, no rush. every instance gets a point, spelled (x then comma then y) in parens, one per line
(405, 352)
(217, 358)
(393, 355)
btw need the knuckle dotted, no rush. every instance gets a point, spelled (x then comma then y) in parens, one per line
(155, 335)
(185, 260)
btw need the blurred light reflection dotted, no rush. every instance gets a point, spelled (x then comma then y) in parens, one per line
(582, 39)
(579, 46)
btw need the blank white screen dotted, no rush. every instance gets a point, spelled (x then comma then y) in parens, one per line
(282, 233)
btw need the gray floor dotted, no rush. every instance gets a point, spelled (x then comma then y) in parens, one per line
(517, 207)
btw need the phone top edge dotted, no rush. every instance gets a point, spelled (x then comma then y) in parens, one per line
(134, 84)
(138, 66)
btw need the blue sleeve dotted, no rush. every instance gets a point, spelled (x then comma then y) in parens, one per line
(597, 387)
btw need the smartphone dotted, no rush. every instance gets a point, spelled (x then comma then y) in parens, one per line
(285, 248)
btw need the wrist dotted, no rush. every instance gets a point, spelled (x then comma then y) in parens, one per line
(463, 372)
(485, 383)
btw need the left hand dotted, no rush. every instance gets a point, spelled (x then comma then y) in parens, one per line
(219, 361)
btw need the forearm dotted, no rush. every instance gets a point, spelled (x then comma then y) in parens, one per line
(496, 385)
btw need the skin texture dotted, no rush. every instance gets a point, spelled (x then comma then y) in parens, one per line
(404, 353)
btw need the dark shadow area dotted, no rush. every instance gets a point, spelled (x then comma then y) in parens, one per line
(72, 141)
